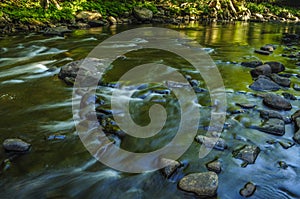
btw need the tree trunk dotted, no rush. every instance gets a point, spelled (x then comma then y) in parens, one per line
(45, 4)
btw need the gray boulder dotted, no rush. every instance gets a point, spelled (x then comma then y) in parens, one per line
(276, 67)
(212, 142)
(272, 126)
(268, 114)
(252, 64)
(16, 145)
(68, 72)
(276, 102)
(142, 14)
(202, 184)
(214, 166)
(282, 81)
(248, 190)
(261, 70)
(169, 170)
(264, 84)
(247, 153)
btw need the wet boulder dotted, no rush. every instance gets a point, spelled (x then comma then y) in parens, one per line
(268, 114)
(16, 145)
(68, 72)
(245, 105)
(276, 67)
(282, 81)
(268, 47)
(212, 142)
(296, 119)
(272, 126)
(214, 166)
(247, 153)
(286, 144)
(57, 31)
(296, 137)
(296, 87)
(252, 64)
(248, 190)
(264, 84)
(261, 70)
(288, 96)
(169, 170)
(295, 115)
(276, 102)
(262, 52)
(203, 184)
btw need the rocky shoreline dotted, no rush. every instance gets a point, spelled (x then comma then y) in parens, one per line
(139, 15)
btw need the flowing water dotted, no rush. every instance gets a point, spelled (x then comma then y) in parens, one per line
(35, 104)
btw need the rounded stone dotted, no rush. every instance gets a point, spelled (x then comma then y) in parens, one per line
(16, 145)
(202, 184)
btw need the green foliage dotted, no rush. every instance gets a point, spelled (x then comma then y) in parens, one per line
(26, 10)
(256, 8)
(148, 4)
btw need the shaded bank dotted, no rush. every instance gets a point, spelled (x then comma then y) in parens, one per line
(44, 15)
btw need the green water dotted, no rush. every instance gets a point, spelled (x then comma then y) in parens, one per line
(35, 104)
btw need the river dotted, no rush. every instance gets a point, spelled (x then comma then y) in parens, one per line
(36, 104)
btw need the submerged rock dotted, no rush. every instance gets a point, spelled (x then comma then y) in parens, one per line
(212, 142)
(268, 47)
(282, 165)
(16, 145)
(57, 31)
(69, 71)
(268, 114)
(295, 115)
(272, 126)
(276, 102)
(262, 52)
(202, 184)
(261, 70)
(214, 166)
(289, 96)
(252, 64)
(247, 153)
(296, 119)
(286, 145)
(296, 87)
(296, 137)
(169, 170)
(264, 84)
(248, 190)
(276, 67)
(245, 106)
(282, 81)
